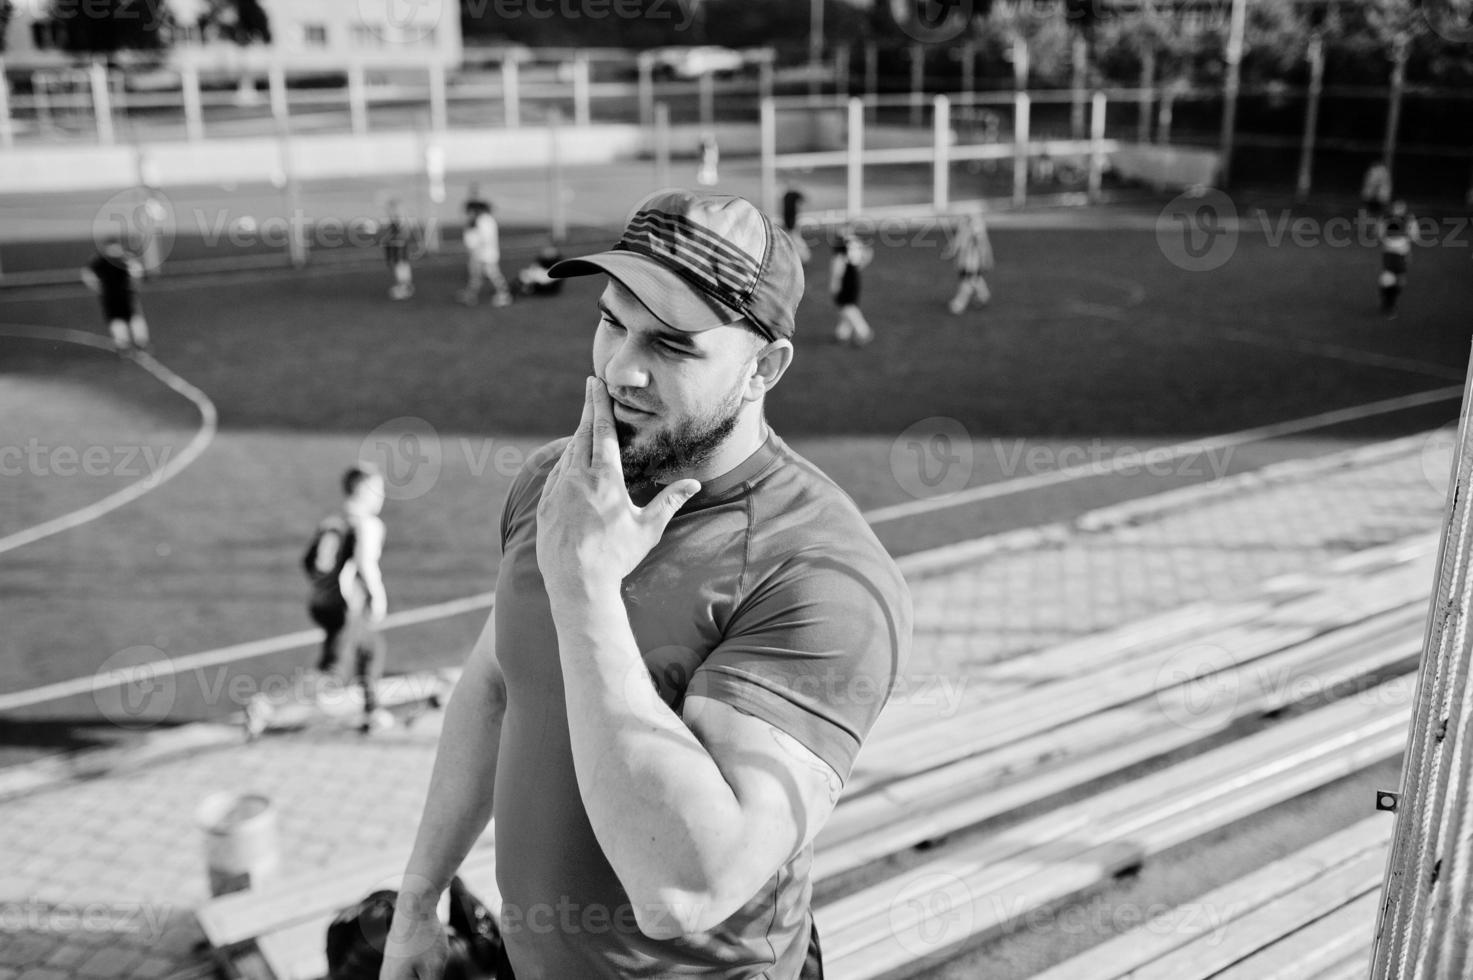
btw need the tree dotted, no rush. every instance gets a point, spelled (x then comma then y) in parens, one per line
(103, 28)
(241, 21)
(7, 9)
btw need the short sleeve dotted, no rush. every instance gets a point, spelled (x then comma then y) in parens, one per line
(815, 651)
(526, 487)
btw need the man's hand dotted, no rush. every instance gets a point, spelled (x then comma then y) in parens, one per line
(590, 534)
(417, 948)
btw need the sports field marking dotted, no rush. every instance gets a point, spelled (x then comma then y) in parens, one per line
(1134, 459)
(197, 445)
(1339, 352)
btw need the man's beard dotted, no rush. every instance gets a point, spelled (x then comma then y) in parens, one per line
(669, 451)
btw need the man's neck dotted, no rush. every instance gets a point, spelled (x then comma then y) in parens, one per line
(748, 436)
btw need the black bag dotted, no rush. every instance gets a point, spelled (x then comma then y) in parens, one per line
(330, 549)
(357, 937)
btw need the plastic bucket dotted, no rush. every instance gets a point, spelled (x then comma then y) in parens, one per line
(240, 840)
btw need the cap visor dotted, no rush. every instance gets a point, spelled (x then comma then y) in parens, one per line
(674, 301)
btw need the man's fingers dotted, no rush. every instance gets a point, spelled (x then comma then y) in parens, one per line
(605, 438)
(582, 444)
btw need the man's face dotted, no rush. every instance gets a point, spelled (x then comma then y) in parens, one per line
(676, 396)
(369, 495)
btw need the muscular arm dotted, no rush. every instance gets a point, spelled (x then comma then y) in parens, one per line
(366, 554)
(458, 804)
(695, 814)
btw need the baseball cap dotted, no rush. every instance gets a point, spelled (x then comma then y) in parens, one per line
(699, 261)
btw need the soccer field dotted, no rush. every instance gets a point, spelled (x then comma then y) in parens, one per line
(1096, 346)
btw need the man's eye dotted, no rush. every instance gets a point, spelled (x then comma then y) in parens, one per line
(611, 324)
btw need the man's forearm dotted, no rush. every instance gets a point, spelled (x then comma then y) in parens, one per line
(663, 813)
(462, 783)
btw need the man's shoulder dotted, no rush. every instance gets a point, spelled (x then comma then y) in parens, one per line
(533, 474)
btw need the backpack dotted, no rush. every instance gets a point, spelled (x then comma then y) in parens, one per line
(331, 547)
(357, 937)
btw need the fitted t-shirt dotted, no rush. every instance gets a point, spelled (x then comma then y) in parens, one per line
(767, 591)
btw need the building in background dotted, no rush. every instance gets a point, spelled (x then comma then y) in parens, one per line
(305, 35)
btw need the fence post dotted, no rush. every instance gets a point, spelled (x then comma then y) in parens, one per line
(1148, 82)
(581, 113)
(510, 98)
(1163, 116)
(917, 82)
(764, 76)
(357, 99)
(1234, 69)
(555, 175)
(662, 145)
(872, 76)
(1424, 928)
(1393, 107)
(1020, 149)
(647, 89)
(194, 114)
(101, 102)
(841, 70)
(1080, 53)
(707, 86)
(855, 198)
(1311, 116)
(7, 125)
(439, 110)
(280, 110)
(941, 162)
(769, 155)
(1096, 150)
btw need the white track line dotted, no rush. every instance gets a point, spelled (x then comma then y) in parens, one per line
(1338, 352)
(1134, 459)
(208, 424)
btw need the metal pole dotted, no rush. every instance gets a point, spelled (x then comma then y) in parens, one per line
(769, 155)
(194, 115)
(555, 175)
(969, 70)
(280, 110)
(1425, 926)
(1393, 107)
(357, 99)
(815, 45)
(1097, 140)
(439, 111)
(856, 158)
(841, 70)
(1020, 149)
(1230, 89)
(581, 114)
(1148, 82)
(1080, 48)
(434, 159)
(764, 76)
(872, 77)
(917, 82)
(510, 98)
(295, 220)
(101, 103)
(647, 89)
(707, 88)
(662, 144)
(941, 161)
(1163, 117)
(1311, 116)
(7, 125)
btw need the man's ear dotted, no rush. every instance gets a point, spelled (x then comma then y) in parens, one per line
(771, 363)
